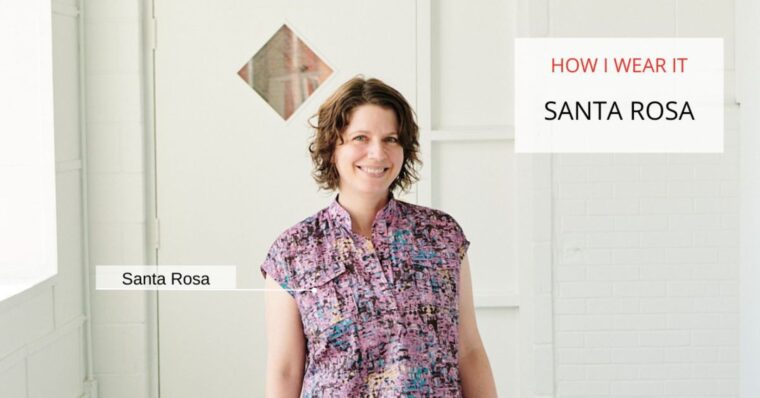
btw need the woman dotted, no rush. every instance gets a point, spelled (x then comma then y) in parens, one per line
(371, 296)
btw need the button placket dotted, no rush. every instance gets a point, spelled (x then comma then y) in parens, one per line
(374, 271)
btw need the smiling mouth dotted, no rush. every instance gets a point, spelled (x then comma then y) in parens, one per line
(373, 171)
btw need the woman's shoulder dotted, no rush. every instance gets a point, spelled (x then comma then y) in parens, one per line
(310, 229)
(427, 216)
(436, 227)
(295, 256)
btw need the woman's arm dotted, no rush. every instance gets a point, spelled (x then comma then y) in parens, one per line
(474, 368)
(286, 345)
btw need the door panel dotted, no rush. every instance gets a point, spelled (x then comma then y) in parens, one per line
(472, 172)
(232, 174)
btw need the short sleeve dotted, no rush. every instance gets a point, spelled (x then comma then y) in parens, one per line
(457, 238)
(276, 266)
(461, 241)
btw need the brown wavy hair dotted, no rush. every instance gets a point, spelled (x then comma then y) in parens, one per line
(334, 115)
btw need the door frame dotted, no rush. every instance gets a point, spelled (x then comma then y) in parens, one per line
(534, 194)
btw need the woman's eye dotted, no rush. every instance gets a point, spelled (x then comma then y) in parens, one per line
(360, 138)
(392, 139)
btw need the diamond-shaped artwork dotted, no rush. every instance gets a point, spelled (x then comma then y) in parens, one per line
(285, 72)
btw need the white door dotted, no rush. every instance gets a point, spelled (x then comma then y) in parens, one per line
(232, 173)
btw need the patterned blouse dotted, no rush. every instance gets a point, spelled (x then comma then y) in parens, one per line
(380, 316)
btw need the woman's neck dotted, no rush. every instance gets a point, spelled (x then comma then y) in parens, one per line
(362, 209)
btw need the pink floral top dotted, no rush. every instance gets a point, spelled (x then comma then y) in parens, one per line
(380, 317)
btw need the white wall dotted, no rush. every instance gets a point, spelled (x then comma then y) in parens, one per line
(42, 337)
(646, 256)
(646, 264)
(116, 177)
(748, 93)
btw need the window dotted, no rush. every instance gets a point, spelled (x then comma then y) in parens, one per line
(28, 248)
(285, 72)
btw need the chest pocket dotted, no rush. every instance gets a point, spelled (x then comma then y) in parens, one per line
(328, 302)
(329, 316)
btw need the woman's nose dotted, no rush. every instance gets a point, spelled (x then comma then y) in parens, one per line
(376, 149)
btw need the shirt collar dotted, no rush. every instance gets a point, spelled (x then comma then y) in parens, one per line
(341, 217)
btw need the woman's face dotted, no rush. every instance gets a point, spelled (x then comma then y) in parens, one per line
(371, 155)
